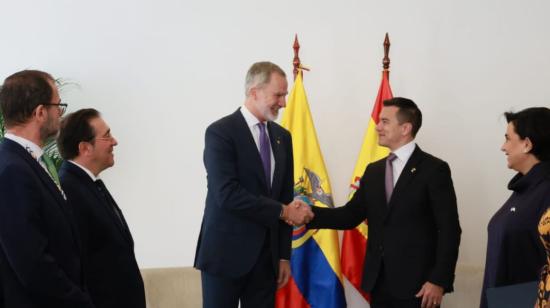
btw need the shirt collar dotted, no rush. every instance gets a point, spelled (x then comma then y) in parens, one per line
(28, 145)
(88, 172)
(250, 119)
(405, 151)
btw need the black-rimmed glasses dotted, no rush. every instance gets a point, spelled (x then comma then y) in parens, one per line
(62, 107)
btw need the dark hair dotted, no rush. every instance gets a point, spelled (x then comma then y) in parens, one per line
(22, 92)
(76, 128)
(408, 112)
(533, 123)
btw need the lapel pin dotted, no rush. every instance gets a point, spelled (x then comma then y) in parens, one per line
(278, 141)
(513, 209)
(413, 170)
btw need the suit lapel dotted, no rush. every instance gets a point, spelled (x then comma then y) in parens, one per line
(45, 178)
(376, 185)
(407, 175)
(47, 181)
(39, 171)
(118, 219)
(89, 184)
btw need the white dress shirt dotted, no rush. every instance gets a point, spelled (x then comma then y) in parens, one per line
(252, 123)
(88, 172)
(403, 154)
(31, 147)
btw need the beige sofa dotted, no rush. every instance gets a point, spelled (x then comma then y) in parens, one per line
(180, 287)
(468, 282)
(172, 287)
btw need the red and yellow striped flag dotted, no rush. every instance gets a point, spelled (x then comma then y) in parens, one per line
(354, 246)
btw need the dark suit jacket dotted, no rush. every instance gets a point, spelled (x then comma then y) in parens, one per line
(110, 267)
(40, 263)
(416, 235)
(239, 211)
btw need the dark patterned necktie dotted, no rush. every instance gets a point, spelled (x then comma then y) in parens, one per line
(107, 197)
(265, 153)
(389, 176)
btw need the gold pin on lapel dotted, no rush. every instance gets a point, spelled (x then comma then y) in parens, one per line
(278, 141)
(413, 170)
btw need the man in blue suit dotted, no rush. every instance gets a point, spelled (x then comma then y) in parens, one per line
(243, 249)
(111, 271)
(40, 263)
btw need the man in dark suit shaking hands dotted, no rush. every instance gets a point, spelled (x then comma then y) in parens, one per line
(111, 271)
(40, 264)
(243, 249)
(409, 202)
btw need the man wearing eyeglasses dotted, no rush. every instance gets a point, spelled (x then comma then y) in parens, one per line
(40, 263)
(110, 268)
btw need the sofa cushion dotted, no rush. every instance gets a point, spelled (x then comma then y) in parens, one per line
(172, 287)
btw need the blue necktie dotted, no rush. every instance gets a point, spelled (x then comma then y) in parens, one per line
(265, 153)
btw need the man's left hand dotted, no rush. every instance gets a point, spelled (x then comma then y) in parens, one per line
(284, 273)
(431, 295)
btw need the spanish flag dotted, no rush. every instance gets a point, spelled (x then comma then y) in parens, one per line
(315, 262)
(354, 246)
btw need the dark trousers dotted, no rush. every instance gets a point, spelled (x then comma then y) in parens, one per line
(256, 289)
(381, 295)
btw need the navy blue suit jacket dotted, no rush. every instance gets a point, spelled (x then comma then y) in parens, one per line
(240, 211)
(416, 235)
(111, 271)
(40, 264)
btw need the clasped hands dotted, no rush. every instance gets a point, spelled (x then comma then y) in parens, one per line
(297, 213)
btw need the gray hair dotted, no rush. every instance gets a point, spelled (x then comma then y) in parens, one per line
(259, 74)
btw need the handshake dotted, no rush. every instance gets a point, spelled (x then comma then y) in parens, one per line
(297, 213)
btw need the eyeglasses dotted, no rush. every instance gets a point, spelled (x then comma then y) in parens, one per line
(62, 107)
(107, 137)
(110, 138)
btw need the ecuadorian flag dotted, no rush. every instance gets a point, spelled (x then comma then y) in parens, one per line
(315, 263)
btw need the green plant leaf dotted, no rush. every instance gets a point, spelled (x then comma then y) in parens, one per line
(53, 152)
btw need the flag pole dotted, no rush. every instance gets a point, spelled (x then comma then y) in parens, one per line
(354, 243)
(315, 253)
(296, 61)
(386, 61)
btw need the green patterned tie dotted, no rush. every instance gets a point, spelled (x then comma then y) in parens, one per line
(51, 168)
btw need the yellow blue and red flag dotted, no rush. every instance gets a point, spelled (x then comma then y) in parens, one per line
(315, 263)
(354, 243)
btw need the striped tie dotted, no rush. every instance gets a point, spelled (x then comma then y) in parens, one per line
(265, 153)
